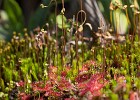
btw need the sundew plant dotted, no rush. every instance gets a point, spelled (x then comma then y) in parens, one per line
(57, 62)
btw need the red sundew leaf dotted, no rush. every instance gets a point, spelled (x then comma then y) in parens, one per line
(81, 85)
(48, 89)
(68, 68)
(94, 89)
(94, 85)
(39, 87)
(83, 76)
(83, 91)
(53, 69)
(53, 76)
(86, 66)
(20, 84)
(89, 96)
(56, 94)
(42, 89)
(63, 74)
(64, 84)
(37, 84)
(84, 69)
(92, 62)
(96, 93)
(46, 94)
(69, 99)
(96, 81)
(52, 93)
(96, 77)
(53, 72)
(134, 96)
(24, 96)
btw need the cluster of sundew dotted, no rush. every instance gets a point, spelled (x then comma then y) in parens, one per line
(39, 39)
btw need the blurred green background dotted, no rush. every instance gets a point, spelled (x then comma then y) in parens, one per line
(15, 15)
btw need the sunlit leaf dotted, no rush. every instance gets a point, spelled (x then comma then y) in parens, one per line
(61, 21)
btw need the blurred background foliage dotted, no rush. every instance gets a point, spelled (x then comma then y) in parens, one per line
(15, 15)
(11, 18)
